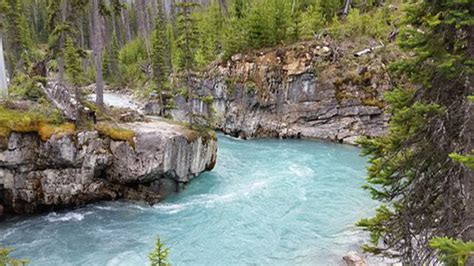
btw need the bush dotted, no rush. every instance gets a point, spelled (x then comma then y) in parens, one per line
(373, 24)
(25, 87)
(131, 57)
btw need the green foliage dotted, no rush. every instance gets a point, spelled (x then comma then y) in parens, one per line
(74, 72)
(18, 40)
(371, 24)
(110, 62)
(210, 24)
(159, 255)
(467, 159)
(7, 260)
(187, 39)
(452, 252)
(23, 86)
(159, 50)
(418, 191)
(131, 57)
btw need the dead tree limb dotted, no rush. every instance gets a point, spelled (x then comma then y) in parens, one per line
(368, 50)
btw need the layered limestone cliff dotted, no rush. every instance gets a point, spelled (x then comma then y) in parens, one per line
(314, 89)
(76, 169)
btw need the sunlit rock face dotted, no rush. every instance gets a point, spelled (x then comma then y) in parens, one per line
(312, 89)
(76, 169)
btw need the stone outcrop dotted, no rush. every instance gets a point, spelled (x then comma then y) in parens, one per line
(76, 169)
(313, 89)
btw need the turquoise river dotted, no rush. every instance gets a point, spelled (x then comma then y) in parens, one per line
(267, 202)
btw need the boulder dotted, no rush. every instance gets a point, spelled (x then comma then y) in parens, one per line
(353, 259)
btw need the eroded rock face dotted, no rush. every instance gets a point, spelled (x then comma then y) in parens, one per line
(311, 89)
(86, 167)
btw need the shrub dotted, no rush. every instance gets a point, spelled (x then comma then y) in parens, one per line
(131, 57)
(25, 87)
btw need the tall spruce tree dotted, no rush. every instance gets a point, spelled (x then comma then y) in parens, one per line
(186, 45)
(425, 193)
(160, 54)
(97, 47)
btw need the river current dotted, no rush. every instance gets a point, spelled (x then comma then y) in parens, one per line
(267, 202)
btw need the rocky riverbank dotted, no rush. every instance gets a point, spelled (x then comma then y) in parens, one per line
(317, 89)
(87, 166)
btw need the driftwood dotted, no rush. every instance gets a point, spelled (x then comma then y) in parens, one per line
(368, 50)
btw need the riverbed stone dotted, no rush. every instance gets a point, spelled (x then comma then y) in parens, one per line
(353, 259)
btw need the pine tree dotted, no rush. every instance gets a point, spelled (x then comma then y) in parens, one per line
(74, 72)
(186, 45)
(114, 58)
(279, 12)
(18, 39)
(210, 27)
(159, 255)
(97, 47)
(425, 193)
(160, 54)
(259, 26)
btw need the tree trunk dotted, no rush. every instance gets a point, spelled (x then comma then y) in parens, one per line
(61, 42)
(97, 46)
(223, 6)
(468, 234)
(3, 72)
(117, 31)
(347, 6)
(126, 24)
(141, 19)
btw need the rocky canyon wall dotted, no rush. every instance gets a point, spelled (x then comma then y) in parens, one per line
(314, 89)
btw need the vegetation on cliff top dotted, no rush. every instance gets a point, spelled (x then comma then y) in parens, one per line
(43, 121)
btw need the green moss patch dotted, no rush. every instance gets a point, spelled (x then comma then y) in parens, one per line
(116, 133)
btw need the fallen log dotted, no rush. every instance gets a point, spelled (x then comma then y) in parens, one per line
(368, 50)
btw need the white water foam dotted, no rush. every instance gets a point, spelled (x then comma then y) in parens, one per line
(70, 216)
(300, 170)
(210, 200)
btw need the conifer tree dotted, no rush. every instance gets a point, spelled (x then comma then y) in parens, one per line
(186, 45)
(74, 72)
(159, 255)
(73, 69)
(18, 34)
(160, 54)
(425, 193)
(97, 47)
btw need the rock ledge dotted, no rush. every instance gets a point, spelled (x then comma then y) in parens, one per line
(86, 167)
